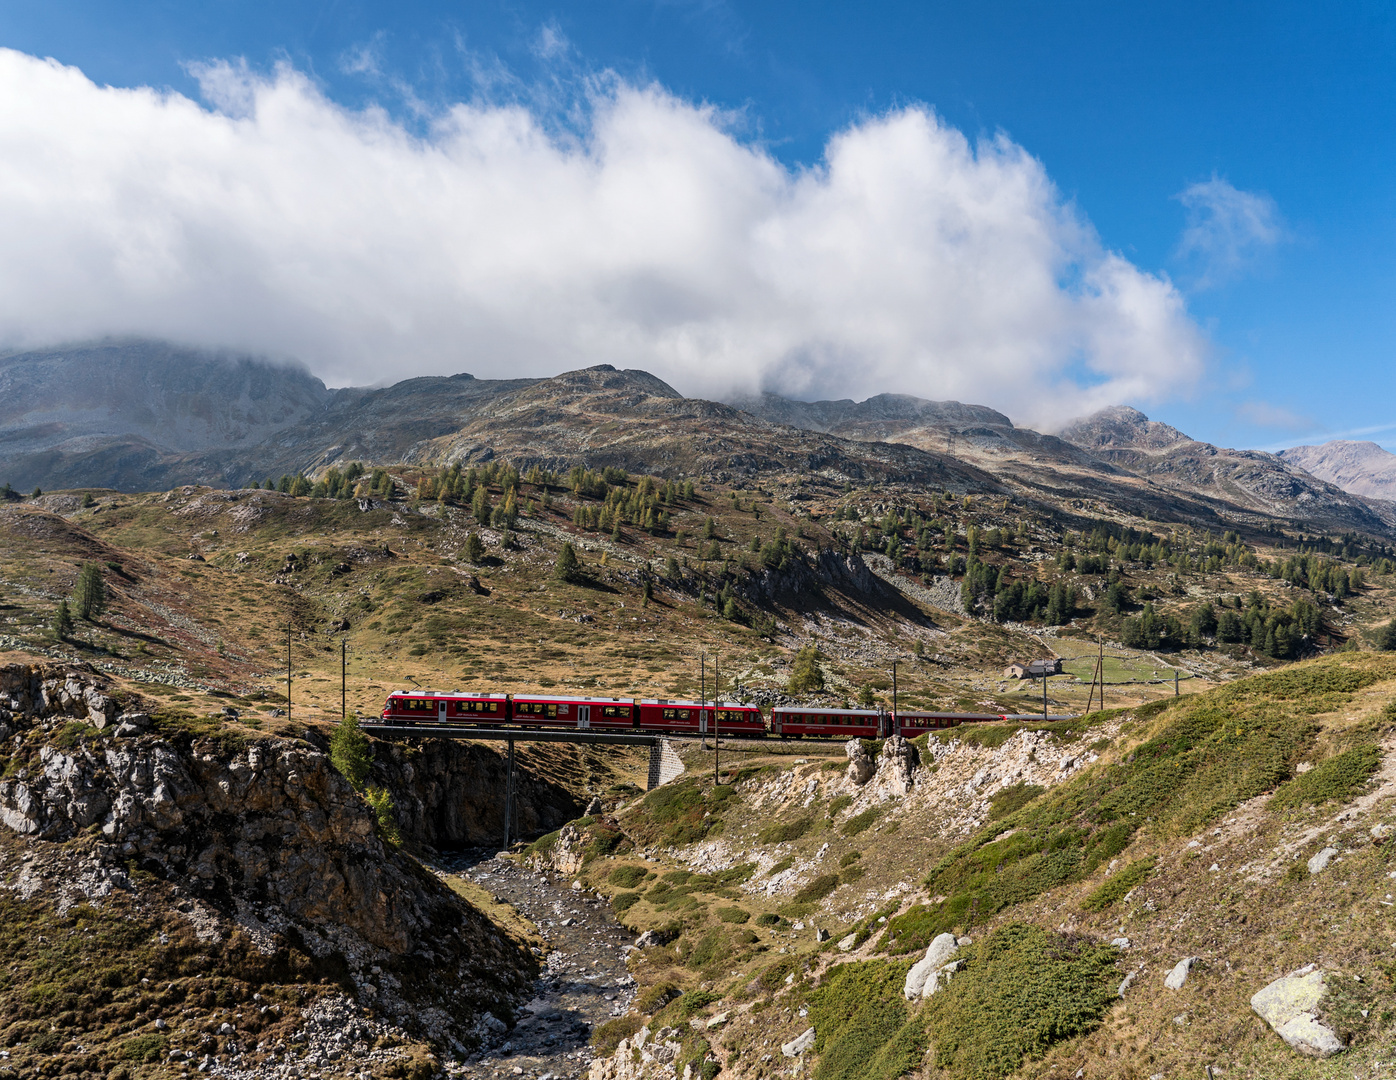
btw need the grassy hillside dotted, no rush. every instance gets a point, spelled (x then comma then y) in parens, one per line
(1183, 826)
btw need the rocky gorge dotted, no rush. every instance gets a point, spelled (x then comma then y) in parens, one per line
(253, 853)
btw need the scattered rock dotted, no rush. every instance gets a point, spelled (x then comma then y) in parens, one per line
(1380, 833)
(1127, 983)
(1120, 942)
(821, 934)
(798, 1045)
(1179, 975)
(718, 1020)
(846, 943)
(1320, 862)
(594, 807)
(1290, 1006)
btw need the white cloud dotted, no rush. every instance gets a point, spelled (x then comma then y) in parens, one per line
(1227, 229)
(909, 260)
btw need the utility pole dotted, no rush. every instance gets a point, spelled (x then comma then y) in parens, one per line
(1175, 682)
(717, 698)
(288, 671)
(1044, 695)
(895, 729)
(702, 697)
(343, 678)
(509, 798)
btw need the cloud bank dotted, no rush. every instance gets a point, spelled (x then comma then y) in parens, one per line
(271, 219)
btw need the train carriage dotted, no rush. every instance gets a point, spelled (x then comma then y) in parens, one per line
(697, 718)
(792, 722)
(433, 707)
(582, 713)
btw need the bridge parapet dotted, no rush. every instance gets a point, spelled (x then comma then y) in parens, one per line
(665, 764)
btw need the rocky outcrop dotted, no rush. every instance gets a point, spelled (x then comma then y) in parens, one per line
(925, 975)
(1175, 979)
(450, 794)
(1291, 1007)
(641, 1057)
(860, 764)
(895, 766)
(52, 690)
(268, 836)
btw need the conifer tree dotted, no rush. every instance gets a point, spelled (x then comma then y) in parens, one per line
(90, 593)
(806, 676)
(568, 567)
(350, 752)
(62, 624)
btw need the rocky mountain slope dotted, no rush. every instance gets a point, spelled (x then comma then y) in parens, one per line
(1360, 468)
(147, 416)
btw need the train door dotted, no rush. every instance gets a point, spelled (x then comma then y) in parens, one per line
(441, 712)
(583, 716)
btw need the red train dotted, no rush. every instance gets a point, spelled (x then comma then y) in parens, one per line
(540, 711)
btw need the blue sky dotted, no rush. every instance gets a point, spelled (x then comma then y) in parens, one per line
(1243, 154)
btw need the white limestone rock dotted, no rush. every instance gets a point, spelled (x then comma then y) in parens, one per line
(1179, 975)
(1290, 1006)
(923, 978)
(799, 1044)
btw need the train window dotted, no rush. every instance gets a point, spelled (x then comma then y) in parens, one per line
(670, 714)
(616, 710)
(418, 705)
(552, 710)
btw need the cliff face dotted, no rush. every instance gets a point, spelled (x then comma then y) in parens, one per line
(263, 836)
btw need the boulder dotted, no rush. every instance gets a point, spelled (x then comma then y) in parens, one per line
(860, 765)
(799, 1044)
(1320, 862)
(1290, 1006)
(847, 942)
(1179, 974)
(923, 978)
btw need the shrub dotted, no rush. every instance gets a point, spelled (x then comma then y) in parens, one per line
(862, 1028)
(1011, 799)
(1339, 778)
(860, 822)
(850, 857)
(624, 901)
(732, 914)
(350, 752)
(1020, 991)
(1116, 887)
(606, 1037)
(768, 918)
(843, 802)
(384, 812)
(144, 1048)
(785, 832)
(653, 998)
(817, 889)
(627, 877)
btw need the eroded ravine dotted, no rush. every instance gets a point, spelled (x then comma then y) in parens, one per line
(584, 981)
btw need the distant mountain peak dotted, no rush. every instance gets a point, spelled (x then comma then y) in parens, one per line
(1359, 468)
(1120, 427)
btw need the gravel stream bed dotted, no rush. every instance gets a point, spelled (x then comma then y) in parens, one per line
(583, 984)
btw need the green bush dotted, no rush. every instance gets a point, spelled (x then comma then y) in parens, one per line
(849, 874)
(624, 901)
(1340, 778)
(850, 857)
(785, 832)
(606, 1037)
(384, 812)
(1011, 799)
(1019, 991)
(145, 1048)
(817, 889)
(350, 752)
(732, 914)
(1116, 887)
(769, 918)
(860, 822)
(627, 877)
(837, 806)
(863, 1030)
(653, 998)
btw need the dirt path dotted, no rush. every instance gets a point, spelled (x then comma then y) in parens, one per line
(584, 982)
